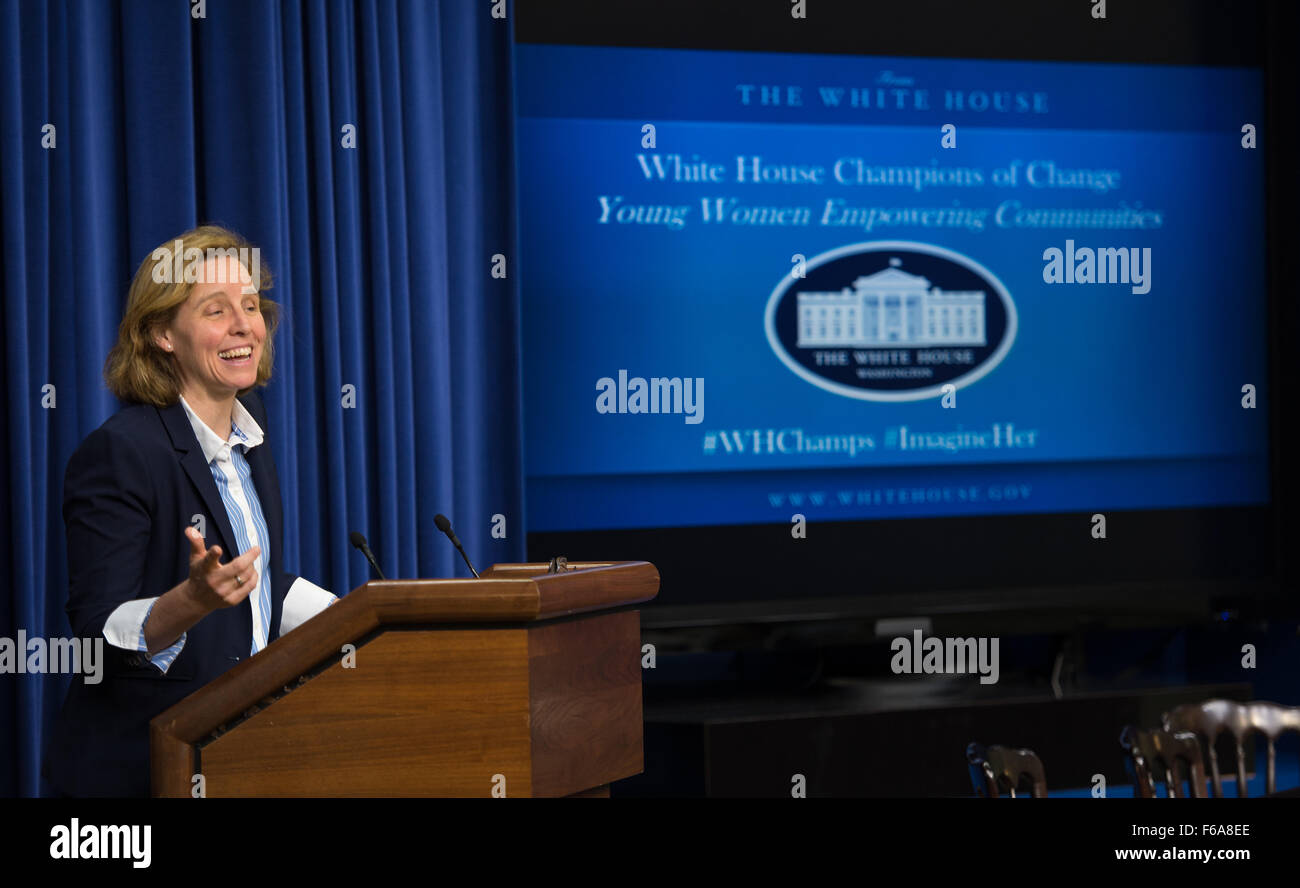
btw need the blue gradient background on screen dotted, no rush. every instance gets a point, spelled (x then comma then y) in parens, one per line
(1135, 398)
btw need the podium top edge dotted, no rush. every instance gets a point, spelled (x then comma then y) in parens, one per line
(523, 571)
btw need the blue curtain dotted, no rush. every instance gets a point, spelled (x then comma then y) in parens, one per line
(382, 256)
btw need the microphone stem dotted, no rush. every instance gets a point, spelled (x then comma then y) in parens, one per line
(467, 561)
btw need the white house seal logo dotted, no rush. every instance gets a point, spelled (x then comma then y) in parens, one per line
(891, 321)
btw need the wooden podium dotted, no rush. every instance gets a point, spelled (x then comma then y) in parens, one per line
(521, 683)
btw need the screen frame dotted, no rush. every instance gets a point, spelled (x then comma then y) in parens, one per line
(1156, 567)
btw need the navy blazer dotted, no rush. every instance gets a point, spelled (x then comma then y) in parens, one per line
(131, 489)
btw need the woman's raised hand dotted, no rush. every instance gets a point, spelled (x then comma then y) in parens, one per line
(214, 585)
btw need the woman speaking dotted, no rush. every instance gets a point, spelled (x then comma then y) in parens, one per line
(172, 509)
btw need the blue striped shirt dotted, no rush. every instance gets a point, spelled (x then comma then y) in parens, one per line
(234, 480)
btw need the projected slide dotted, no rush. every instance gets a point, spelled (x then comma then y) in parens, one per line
(758, 285)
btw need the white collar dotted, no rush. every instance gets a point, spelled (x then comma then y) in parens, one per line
(246, 431)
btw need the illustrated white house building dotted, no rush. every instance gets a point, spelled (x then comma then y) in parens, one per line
(891, 307)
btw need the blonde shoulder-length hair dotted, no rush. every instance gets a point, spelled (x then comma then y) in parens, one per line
(137, 370)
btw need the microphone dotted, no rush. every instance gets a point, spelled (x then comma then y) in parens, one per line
(360, 542)
(440, 521)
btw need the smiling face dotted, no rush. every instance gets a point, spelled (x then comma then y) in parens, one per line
(217, 335)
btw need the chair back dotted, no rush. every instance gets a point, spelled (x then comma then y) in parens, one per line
(1156, 755)
(1213, 717)
(999, 770)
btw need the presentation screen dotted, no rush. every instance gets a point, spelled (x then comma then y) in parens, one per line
(761, 285)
